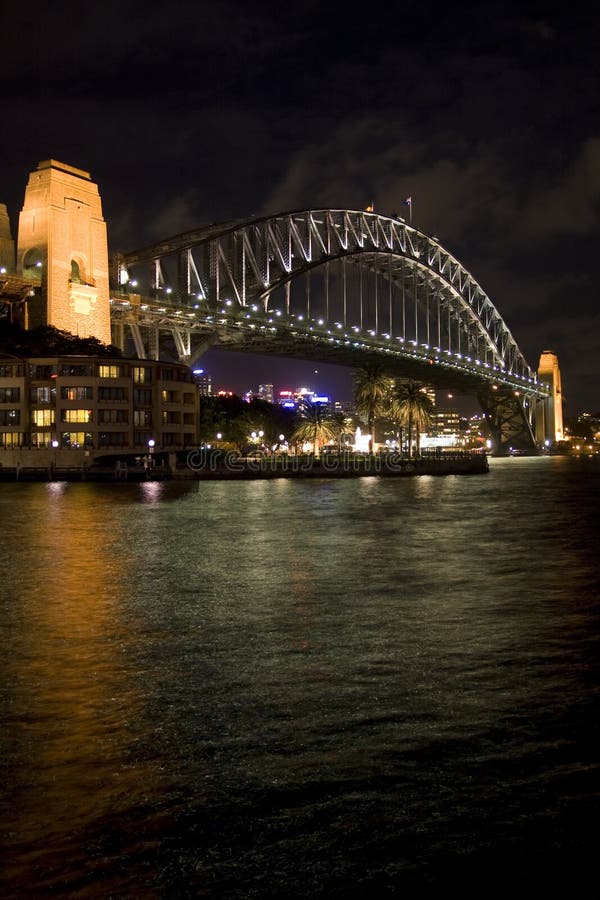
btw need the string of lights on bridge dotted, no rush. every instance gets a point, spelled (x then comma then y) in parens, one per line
(423, 351)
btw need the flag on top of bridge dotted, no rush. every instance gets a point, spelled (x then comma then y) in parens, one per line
(408, 201)
(370, 208)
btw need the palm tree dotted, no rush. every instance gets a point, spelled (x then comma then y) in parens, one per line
(372, 390)
(341, 425)
(411, 406)
(314, 425)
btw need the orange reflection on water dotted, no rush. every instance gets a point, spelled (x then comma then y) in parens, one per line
(78, 704)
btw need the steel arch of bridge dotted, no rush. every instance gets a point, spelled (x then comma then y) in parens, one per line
(236, 278)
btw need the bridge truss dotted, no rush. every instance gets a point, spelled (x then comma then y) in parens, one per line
(334, 285)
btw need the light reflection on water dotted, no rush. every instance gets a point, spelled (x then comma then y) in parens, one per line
(331, 667)
(66, 666)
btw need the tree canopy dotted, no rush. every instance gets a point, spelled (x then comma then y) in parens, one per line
(314, 425)
(410, 405)
(235, 420)
(372, 391)
(45, 340)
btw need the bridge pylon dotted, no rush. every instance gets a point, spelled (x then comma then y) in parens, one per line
(62, 246)
(549, 412)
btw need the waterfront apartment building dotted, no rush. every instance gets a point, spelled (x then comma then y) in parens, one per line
(100, 405)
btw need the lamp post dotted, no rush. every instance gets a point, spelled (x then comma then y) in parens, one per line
(53, 463)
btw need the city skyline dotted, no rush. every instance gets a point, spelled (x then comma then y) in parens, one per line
(335, 381)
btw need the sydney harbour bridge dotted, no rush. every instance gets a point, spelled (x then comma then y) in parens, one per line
(334, 285)
(341, 286)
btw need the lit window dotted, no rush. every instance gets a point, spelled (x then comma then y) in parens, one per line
(43, 418)
(76, 439)
(105, 371)
(76, 415)
(12, 439)
(142, 374)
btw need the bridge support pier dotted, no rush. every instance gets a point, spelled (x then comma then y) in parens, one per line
(508, 420)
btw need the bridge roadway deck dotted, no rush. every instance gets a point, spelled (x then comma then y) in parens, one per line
(289, 337)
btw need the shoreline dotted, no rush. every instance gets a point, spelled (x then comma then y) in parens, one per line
(200, 466)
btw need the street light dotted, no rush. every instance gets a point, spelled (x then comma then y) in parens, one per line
(149, 460)
(55, 446)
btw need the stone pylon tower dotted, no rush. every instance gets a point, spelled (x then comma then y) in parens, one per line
(62, 239)
(7, 245)
(549, 413)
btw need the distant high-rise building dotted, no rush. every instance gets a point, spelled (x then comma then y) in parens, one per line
(204, 382)
(444, 429)
(430, 392)
(446, 421)
(344, 406)
(265, 392)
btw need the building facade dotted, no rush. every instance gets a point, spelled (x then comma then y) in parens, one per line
(94, 404)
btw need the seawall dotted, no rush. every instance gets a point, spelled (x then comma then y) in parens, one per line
(202, 465)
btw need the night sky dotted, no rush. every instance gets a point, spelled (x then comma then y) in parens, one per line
(188, 113)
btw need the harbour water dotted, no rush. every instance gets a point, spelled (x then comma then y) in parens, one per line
(345, 688)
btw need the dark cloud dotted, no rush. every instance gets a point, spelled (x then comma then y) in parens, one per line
(191, 112)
